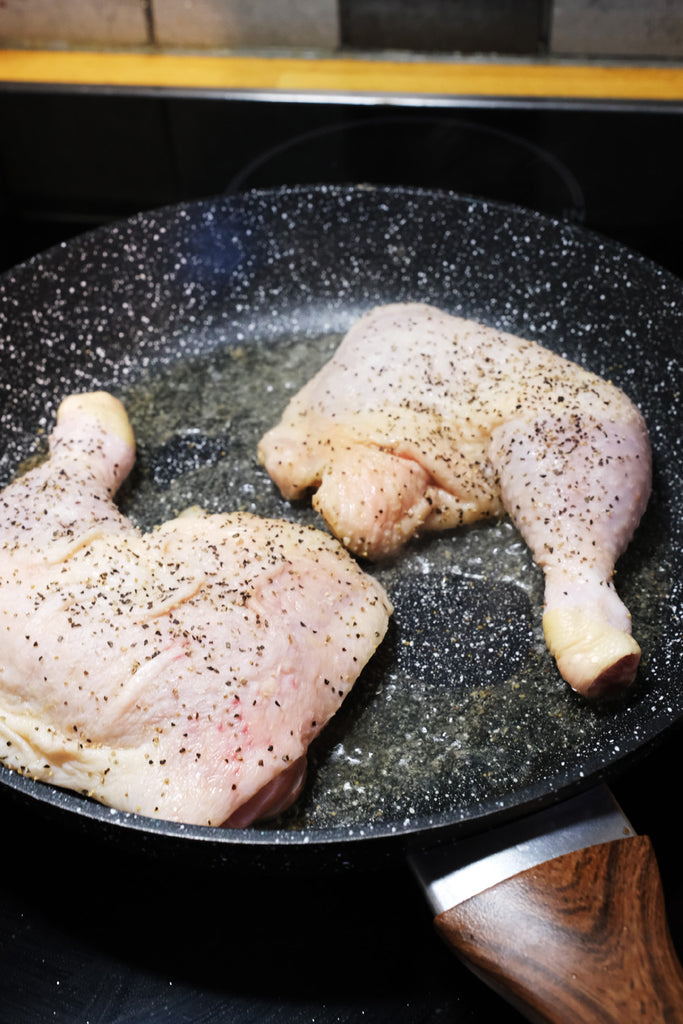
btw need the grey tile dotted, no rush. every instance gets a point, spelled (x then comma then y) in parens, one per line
(465, 26)
(78, 22)
(617, 28)
(246, 23)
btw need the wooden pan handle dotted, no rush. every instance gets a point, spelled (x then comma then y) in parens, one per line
(579, 939)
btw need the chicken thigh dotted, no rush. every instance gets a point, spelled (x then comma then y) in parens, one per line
(181, 673)
(423, 421)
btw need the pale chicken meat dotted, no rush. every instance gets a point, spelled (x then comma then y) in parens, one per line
(424, 421)
(180, 673)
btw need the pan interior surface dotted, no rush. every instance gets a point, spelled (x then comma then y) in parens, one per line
(206, 318)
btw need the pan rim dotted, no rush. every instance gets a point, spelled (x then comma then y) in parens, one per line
(418, 825)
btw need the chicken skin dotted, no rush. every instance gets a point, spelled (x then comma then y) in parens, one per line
(424, 421)
(182, 673)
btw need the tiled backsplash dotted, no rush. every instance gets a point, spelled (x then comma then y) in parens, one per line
(465, 26)
(245, 23)
(74, 22)
(651, 28)
(591, 28)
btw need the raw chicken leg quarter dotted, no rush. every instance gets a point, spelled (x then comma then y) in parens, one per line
(423, 421)
(181, 673)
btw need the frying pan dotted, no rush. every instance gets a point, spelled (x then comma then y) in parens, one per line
(205, 318)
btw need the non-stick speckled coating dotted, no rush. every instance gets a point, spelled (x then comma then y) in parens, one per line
(205, 318)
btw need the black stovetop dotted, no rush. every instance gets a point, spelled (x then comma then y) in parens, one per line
(94, 934)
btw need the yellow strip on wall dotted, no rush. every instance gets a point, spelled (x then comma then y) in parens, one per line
(344, 75)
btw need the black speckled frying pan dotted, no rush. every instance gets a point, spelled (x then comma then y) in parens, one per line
(205, 318)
